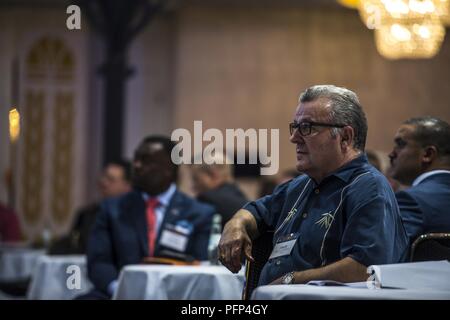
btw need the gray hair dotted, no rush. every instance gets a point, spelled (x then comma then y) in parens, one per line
(345, 110)
(432, 131)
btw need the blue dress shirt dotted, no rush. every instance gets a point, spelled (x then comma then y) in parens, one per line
(351, 213)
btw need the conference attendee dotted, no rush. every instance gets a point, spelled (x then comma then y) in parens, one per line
(214, 184)
(266, 186)
(421, 158)
(10, 230)
(10, 234)
(9, 225)
(114, 181)
(269, 183)
(153, 220)
(337, 218)
(374, 159)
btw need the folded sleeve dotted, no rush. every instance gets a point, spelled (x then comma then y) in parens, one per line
(374, 233)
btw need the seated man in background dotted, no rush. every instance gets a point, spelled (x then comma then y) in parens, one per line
(269, 183)
(141, 223)
(9, 225)
(421, 158)
(337, 218)
(9, 234)
(115, 181)
(10, 230)
(214, 185)
(374, 159)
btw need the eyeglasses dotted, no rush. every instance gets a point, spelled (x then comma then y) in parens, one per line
(304, 128)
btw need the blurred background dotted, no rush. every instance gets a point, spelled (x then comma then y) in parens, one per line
(73, 100)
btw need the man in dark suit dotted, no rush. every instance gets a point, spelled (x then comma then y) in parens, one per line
(421, 158)
(214, 184)
(153, 220)
(9, 225)
(114, 181)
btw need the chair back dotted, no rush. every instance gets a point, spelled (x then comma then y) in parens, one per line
(431, 246)
(261, 250)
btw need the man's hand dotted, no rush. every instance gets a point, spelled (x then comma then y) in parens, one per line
(235, 243)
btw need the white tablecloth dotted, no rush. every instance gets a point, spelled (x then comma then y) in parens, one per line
(17, 264)
(59, 278)
(310, 292)
(417, 280)
(427, 275)
(161, 282)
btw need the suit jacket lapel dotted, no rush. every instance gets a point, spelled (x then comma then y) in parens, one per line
(137, 212)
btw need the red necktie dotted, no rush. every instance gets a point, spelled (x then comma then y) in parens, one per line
(152, 203)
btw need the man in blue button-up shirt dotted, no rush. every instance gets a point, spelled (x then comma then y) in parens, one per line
(335, 220)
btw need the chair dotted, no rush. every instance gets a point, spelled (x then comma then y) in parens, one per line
(261, 250)
(431, 246)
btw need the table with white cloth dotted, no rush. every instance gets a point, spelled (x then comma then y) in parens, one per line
(17, 264)
(161, 282)
(312, 292)
(59, 278)
(429, 280)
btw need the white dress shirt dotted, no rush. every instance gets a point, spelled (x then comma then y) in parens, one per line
(425, 175)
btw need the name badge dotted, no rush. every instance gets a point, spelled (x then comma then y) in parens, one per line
(284, 246)
(174, 239)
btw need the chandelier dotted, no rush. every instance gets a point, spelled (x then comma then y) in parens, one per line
(405, 28)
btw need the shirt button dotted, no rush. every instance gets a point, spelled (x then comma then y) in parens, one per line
(278, 262)
(304, 215)
(316, 191)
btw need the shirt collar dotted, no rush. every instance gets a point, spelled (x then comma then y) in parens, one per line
(346, 171)
(428, 174)
(164, 197)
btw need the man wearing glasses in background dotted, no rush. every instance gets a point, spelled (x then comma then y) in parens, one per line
(335, 220)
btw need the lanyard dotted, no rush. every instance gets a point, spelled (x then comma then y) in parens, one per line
(293, 210)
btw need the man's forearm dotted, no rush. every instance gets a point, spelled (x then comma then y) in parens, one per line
(345, 270)
(246, 220)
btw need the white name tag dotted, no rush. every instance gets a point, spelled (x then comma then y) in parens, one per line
(173, 240)
(282, 249)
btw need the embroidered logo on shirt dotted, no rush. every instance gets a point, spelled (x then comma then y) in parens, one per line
(326, 220)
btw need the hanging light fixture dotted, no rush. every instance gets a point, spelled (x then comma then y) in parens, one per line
(406, 28)
(380, 12)
(396, 41)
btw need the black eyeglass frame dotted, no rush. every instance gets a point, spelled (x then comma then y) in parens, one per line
(297, 126)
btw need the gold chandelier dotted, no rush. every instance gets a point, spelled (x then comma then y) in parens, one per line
(405, 28)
